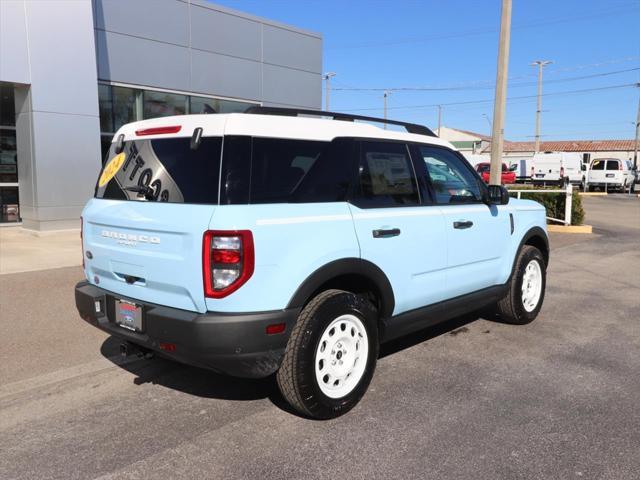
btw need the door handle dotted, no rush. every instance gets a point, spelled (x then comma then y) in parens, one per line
(391, 232)
(463, 224)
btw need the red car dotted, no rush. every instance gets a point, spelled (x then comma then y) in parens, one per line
(506, 177)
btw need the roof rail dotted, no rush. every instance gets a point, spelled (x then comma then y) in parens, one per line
(295, 112)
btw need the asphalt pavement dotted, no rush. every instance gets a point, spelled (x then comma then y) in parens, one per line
(471, 398)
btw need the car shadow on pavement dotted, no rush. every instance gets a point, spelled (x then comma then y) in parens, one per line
(408, 341)
(190, 380)
(208, 384)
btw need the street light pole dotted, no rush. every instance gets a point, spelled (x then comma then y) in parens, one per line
(541, 64)
(501, 95)
(327, 77)
(439, 120)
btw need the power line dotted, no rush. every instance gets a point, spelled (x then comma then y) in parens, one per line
(483, 87)
(473, 102)
(485, 30)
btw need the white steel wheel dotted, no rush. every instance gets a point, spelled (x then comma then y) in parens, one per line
(531, 285)
(341, 356)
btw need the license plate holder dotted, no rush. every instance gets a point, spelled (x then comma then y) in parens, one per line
(129, 315)
(611, 175)
(539, 175)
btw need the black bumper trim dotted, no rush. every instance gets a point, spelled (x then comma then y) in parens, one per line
(231, 343)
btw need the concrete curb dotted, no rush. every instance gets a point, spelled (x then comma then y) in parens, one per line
(570, 228)
(592, 194)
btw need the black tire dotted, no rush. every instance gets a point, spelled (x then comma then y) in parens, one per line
(297, 378)
(511, 308)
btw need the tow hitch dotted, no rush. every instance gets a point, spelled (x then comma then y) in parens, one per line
(127, 349)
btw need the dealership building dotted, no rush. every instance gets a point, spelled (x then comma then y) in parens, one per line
(73, 71)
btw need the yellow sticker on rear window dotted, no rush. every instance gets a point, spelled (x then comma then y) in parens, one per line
(111, 168)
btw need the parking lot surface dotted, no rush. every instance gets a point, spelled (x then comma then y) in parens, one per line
(471, 398)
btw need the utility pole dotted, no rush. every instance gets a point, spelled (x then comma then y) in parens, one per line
(439, 120)
(636, 147)
(327, 77)
(497, 139)
(541, 64)
(386, 94)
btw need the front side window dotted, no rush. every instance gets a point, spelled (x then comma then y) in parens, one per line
(386, 176)
(451, 180)
(163, 170)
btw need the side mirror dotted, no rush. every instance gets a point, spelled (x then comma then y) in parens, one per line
(498, 195)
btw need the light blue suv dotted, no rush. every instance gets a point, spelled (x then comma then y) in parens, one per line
(278, 241)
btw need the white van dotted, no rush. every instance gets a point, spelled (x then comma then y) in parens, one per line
(610, 174)
(522, 167)
(555, 167)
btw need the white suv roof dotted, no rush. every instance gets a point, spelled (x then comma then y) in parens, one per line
(275, 126)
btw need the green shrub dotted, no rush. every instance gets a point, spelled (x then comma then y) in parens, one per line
(554, 202)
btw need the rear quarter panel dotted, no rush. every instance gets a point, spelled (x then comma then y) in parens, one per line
(291, 242)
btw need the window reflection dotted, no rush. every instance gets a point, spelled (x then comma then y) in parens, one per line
(160, 104)
(124, 106)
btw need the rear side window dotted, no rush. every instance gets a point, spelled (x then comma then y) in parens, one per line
(275, 170)
(163, 170)
(386, 175)
(613, 164)
(598, 165)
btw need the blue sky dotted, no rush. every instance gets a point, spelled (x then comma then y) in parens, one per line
(453, 43)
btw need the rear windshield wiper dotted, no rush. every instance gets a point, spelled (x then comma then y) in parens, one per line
(142, 190)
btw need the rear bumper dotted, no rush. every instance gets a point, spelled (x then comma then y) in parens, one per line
(612, 183)
(231, 343)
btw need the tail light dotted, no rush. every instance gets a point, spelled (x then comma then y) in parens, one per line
(227, 261)
(619, 165)
(532, 170)
(562, 171)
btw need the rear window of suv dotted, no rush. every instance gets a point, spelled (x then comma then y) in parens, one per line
(163, 170)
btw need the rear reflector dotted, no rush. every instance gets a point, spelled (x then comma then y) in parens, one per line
(158, 130)
(276, 328)
(168, 347)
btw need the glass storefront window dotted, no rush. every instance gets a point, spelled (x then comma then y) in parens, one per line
(215, 105)
(8, 156)
(9, 206)
(160, 104)
(7, 107)
(105, 107)
(124, 106)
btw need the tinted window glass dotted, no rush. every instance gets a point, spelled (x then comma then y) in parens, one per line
(451, 180)
(160, 104)
(163, 170)
(105, 106)
(279, 168)
(309, 171)
(236, 170)
(597, 165)
(387, 178)
(613, 165)
(124, 106)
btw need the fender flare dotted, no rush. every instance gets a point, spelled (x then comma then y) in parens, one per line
(534, 232)
(346, 266)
